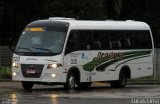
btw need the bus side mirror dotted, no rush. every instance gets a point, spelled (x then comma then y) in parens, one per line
(12, 48)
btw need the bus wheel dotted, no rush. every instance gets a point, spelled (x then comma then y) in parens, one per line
(27, 85)
(121, 83)
(84, 85)
(71, 82)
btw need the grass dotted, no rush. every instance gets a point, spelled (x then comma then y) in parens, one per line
(149, 79)
(5, 73)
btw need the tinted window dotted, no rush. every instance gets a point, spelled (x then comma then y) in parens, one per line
(137, 40)
(145, 40)
(131, 40)
(108, 40)
(72, 44)
(84, 39)
(99, 40)
(115, 40)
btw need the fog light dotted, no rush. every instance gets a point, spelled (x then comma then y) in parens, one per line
(53, 75)
(14, 73)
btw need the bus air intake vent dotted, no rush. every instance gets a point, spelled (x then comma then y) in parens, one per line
(32, 70)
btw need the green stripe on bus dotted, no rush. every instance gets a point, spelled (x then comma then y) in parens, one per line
(133, 54)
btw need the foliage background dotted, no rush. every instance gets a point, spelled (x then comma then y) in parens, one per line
(15, 14)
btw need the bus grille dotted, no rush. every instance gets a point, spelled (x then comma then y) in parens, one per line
(32, 70)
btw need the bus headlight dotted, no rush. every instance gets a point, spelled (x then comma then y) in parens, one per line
(53, 66)
(15, 65)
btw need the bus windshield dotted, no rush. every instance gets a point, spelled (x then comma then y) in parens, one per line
(41, 41)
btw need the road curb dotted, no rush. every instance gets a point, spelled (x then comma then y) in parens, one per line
(128, 83)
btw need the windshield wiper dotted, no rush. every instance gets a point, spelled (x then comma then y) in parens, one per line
(24, 48)
(45, 49)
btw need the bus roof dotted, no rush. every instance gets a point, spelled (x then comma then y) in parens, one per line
(99, 25)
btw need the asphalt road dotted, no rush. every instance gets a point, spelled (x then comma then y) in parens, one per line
(12, 93)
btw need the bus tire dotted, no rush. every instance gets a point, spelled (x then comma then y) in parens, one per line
(121, 83)
(84, 84)
(27, 85)
(71, 82)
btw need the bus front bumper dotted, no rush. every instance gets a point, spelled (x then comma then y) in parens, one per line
(46, 76)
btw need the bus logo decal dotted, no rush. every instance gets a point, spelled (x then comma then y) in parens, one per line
(104, 60)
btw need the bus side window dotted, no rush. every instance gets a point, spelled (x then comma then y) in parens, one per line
(131, 40)
(72, 43)
(99, 40)
(145, 38)
(115, 40)
(85, 39)
(127, 43)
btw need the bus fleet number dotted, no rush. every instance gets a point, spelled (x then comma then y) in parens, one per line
(73, 61)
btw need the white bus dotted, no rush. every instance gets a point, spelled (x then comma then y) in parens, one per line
(73, 52)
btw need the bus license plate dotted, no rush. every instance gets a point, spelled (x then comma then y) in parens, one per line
(30, 71)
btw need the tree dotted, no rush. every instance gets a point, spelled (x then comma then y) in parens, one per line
(15, 14)
(80, 9)
(144, 10)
